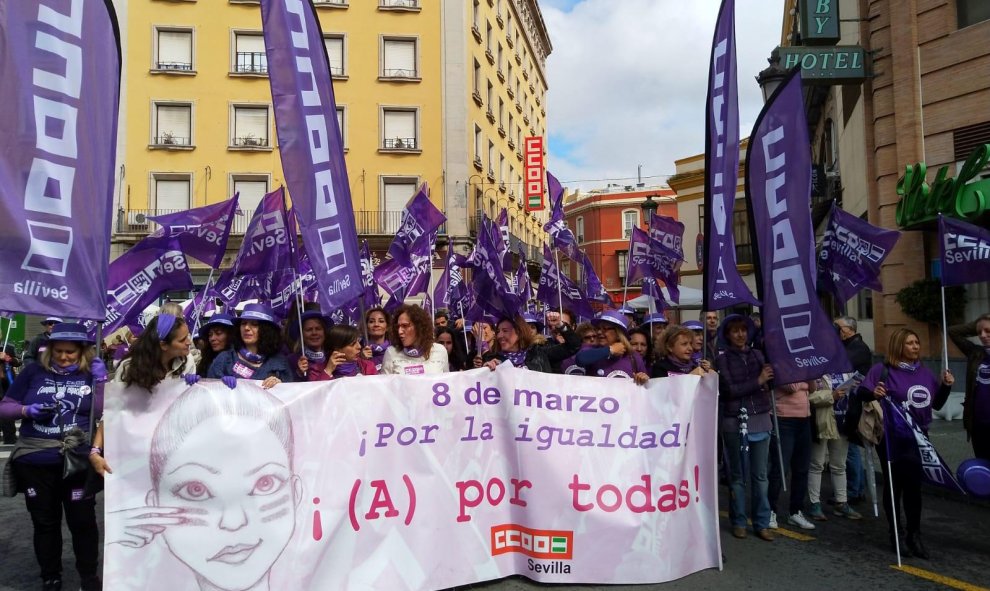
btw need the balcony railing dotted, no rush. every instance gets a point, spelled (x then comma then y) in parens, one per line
(253, 62)
(369, 223)
(175, 66)
(250, 142)
(334, 2)
(168, 139)
(398, 3)
(399, 143)
(398, 73)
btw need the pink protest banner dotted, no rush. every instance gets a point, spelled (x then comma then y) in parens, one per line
(410, 482)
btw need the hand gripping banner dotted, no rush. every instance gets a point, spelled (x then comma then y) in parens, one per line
(410, 482)
(310, 145)
(60, 67)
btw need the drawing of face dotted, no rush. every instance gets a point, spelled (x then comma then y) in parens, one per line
(244, 485)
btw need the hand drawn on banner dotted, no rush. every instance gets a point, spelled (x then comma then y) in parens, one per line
(249, 483)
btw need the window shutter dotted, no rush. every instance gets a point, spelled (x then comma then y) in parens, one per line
(400, 124)
(400, 58)
(174, 119)
(250, 44)
(251, 122)
(174, 47)
(171, 195)
(252, 193)
(397, 194)
(335, 52)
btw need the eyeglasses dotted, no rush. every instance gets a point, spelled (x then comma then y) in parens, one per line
(589, 338)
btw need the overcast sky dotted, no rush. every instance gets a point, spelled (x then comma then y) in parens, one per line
(628, 80)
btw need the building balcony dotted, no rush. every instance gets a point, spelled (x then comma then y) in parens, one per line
(411, 5)
(174, 67)
(501, 131)
(331, 3)
(490, 116)
(249, 141)
(510, 92)
(477, 98)
(501, 75)
(508, 40)
(400, 144)
(476, 32)
(171, 141)
(399, 74)
(490, 57)
(254, 62)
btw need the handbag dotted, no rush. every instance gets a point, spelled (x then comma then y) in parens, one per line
(8, 483)
(75, 455)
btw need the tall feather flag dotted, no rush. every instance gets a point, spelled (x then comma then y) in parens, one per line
(851, 254)
(652, 260)
(312, 152)
(267, 244)
(723, 286)
(965, 251)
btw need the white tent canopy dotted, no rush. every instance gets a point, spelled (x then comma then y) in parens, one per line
(691, 298)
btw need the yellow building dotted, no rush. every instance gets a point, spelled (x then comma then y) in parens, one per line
(197, 122)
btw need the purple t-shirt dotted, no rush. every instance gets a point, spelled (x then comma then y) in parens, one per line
(981, 394)
(913, 390)
(73, 393)
(570, 367)
(618, 367)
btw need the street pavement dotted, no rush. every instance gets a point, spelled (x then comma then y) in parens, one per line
(838, 555)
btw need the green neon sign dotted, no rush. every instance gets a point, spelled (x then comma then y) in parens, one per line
(957, 197)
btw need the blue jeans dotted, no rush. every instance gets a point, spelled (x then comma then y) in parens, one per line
(756, 459)
(795, 446)
(854, 471)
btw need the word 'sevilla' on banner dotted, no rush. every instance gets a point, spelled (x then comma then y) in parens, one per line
(411, 482)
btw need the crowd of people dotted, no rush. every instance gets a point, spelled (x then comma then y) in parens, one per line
(769, 434)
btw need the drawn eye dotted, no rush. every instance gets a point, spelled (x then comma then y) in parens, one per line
(268, 484)
(192, 490)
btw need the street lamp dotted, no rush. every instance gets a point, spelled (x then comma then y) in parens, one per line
(771, 77)
(649, 207)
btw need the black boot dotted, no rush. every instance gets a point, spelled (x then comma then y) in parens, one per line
(915, 546)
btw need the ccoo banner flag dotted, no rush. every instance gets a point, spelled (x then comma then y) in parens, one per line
(800, 341)
(723, 286)
(312, 152)
(60, 66)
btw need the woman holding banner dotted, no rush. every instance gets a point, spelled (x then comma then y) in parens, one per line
(745, 403)
(904, 381)
(162, 351)
(256, 353)
(54, 400)
(311, 363)
(615, 357)
(518, 343)
(376, 321)
(675, 350)
(413, 351)
(218, 333)
(976, 406)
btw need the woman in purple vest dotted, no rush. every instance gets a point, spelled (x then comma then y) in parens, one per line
(615, 359)
(904, 381)
(53, 398)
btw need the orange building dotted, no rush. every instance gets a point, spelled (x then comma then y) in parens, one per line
(602, 221)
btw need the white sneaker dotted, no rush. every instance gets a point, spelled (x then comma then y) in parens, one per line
(773, 520)
(801, 521)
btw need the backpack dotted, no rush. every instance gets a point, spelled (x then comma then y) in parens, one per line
(854, 414)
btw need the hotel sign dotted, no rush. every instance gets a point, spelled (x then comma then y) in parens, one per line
(819, 22)
(956, 197)
(841, 64)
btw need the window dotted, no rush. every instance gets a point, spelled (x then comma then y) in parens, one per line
(501, 113)
(488, 96)
(474, 14)
(630, 220)
(335, 54)
(501, 170)
(399, 58)
(623, 262)
(252, 189)
(174, 50)
(500, 58)
(488, 38)
(249, 127)
(477, 78)
(399, 129)
(579, 229)
(171, 192)
(396, 192)
(477, 145)
(491, 160)
(249, 54)
(740, 231)
(970, 12)
(172, 124)
(340, 125)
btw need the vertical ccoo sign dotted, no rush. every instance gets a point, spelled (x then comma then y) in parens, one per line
(535, 173)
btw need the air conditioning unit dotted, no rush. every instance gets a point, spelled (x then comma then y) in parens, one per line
(137, 220)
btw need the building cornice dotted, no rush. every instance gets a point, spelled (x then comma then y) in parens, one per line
(531, 17)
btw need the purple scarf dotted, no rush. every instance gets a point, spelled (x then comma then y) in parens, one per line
(315, 355)
(412, 352)
(681, 366)
(517, 358)
(255, 358)
(64, 371)
(346, 369)
(379, 348)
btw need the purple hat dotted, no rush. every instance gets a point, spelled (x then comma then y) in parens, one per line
(71, 331)
(626, 310)
(974, 474)
(655, 318)
(258, 313)
(529, 318)
(613, 317)
(52, 320)
(694, 325)
(219, 319)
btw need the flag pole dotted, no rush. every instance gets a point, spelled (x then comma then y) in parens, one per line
(893, 499)
(560, 292)
(299, 310)
(464, 325)
(202, 304)
(945, 334)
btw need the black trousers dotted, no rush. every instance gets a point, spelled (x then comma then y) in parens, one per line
(9, 431)
(48, 496)
(907, 477)
(980, 435)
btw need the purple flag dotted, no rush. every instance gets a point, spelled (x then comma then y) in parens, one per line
(501, 238)
(965, 250)
(557, 290)
(524, 288)
(450, 287)
(139, 276)
(309, 140)
(851, 254)
(400, 280)
(203, 231)
(800, 341)
(594, 291)
(723, 286)
(420, 219)
(905, 441)
(652, 289)
(668, 232)
(267, 243)
(60, 66)
(492, 290)
(560, 235)
(649, 258)
(370, 292)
